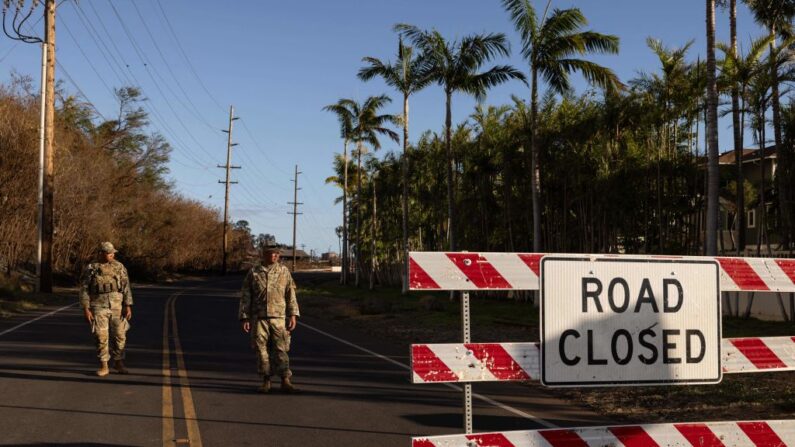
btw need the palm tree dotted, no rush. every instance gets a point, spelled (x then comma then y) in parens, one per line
(342, 109)
(675, 79)
(408, 74)
(777, 16)
(548, 45)
(713, 182)
(455, 66)
(368, 125)
(739, 71)
(736, 125)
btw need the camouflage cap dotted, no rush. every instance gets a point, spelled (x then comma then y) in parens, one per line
(107, 247)
(267, 250)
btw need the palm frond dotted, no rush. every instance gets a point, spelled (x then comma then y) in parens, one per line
(594, 73)
(562, 22)
(478, 84)
(523, 16)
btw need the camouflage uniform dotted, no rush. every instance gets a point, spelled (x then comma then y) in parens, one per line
(267, 299)
(104, 288)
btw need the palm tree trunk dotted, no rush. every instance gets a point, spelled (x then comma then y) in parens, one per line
(738, 135)
(712, 137)
(358, 213)
(373, 236)
(761, 230)
(345, 254)
(535, 175)
(783, 182)
(448, 144)
(405, 223)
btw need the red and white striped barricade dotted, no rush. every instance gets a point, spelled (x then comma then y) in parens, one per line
(704, 434)
(521, 271)
(498, 362)
(479, 362)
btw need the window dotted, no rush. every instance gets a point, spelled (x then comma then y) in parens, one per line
(750, 218)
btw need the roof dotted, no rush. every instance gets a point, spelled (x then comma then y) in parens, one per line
(750, 155)
(288, 253)
(727, 158)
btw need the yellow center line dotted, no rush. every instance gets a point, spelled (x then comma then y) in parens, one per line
(169, 434)
(194, 435)
(168, 401)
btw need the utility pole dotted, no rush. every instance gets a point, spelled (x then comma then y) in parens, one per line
(40, 200)
(227, 182)
(295, 212)
(47, 228)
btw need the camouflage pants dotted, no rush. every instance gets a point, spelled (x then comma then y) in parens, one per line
(109, 329)
(271, 341)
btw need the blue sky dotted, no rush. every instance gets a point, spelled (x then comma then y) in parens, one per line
(279, 63)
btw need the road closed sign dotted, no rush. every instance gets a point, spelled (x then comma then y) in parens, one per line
(610, 321)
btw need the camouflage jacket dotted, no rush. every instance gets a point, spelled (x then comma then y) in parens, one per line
(105, 286)
(268, 292)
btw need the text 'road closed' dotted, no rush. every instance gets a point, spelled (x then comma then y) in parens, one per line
(609, 322)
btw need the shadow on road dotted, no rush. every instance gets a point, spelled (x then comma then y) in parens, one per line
(201, 420)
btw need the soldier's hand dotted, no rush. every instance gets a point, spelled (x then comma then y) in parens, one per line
(89, 315)
(128, 313)
(291, 323)
(246, 326)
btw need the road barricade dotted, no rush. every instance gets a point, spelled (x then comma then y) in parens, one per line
(676, 299)
(712, 434)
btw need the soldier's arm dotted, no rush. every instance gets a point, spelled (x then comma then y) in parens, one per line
(85, 279)
(245, 298)
(126, 290)
(290, 298)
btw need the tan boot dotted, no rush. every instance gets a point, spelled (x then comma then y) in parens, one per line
(265, 388)
(287, 386)
(103, 369)
(119, 367)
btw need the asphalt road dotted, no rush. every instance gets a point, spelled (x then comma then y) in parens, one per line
(193, 378)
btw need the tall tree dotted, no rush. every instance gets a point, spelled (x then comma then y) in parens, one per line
(408, 74)
(713, 175)
(739, 70)
(548, 46)
(368, 126)
(343, 110)
(776, 16)
(456, 67)
(736, 126)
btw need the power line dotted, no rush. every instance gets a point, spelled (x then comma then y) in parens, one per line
(185, 55)
(85, 56)
(168, 67)
(129, 77)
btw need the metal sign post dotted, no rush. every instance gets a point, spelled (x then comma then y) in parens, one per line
(465, 320)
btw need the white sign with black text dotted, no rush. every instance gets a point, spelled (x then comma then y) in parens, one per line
(608, 321)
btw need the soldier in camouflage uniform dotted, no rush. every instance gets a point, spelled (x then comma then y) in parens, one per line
(107, 304)
(268, 311)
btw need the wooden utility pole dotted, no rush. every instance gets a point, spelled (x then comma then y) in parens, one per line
(227, 182)
(47, 228)
(295, 212)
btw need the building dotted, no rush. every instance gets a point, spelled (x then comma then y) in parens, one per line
(755, 167)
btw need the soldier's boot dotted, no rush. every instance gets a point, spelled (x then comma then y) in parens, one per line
(103, 369)
(287, 386)
(265, 388)
(119, 367)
